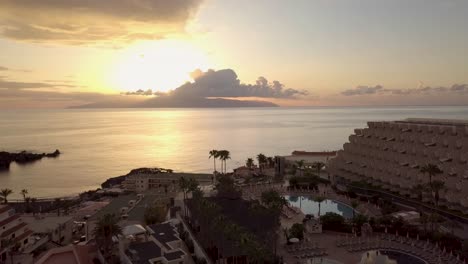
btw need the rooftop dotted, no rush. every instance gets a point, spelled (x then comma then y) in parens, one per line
(114, 206)
(45, 224)
(141, 253)
(164, 233)
(73, 254)
(174, 255)
(434, 121)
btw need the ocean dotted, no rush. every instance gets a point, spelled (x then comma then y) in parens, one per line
(102, 143)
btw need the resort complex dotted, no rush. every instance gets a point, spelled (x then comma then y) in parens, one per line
(394, 194)
(394, 156)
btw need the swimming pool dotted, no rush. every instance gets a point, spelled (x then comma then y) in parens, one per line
(389, 257)
(309, 206)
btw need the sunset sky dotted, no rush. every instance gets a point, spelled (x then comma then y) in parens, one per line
(56, 53)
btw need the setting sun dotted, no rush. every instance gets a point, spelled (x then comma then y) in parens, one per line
(160, 66)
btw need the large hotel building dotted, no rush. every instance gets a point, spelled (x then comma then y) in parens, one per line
(389, 154)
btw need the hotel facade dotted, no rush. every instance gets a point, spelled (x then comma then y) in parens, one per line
(390, 154)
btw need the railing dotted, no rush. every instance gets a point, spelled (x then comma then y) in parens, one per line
(412, 203)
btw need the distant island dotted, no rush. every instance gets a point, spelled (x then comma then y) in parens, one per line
(176, 102)
(23, 157)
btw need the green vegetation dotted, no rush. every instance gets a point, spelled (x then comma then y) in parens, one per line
(310, 182)
(226, 188)
(106, 228)
(273, 200)
(155, 214)
(5, 193)
(297, 231)
(214, 154)
(333, 221)
(222, 155)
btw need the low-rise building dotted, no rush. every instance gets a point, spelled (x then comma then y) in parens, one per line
(130, 209)
(14, 232)
(142, 180)
(59, 229)
(160, 244)
(71, 254)
(308, 158)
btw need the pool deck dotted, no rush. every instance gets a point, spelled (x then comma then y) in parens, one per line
(329, 242)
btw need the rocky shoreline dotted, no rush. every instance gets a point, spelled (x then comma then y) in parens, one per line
(23, 157)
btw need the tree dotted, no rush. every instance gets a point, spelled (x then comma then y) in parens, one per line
(214, 154)
(106, 228)
(58, 204)
(300, 166)
(273, 200)
(431, 170)
(419, 189)
(27, 202)
(319, 166)
(249, 163)
(354, 205)
(297, 231)
(226, 188)
(5, 193)
(271, 162)
(332, 221)
(262, 159)
(11, 247)
(437, 186)
(33, 205)
(223, 156)
(184, 185)
(155, 214)
(23, 193)
(319, 200)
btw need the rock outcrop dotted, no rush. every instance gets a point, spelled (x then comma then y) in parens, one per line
(23, 157)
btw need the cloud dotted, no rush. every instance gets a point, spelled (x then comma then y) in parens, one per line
(78, 22)
(5, 84)
(224, 83)
(421, 90)
(140, 92)
(363, 90)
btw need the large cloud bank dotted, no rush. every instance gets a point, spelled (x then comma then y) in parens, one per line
(225, 83)
(89, 21)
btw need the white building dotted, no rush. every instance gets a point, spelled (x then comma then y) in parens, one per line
(59, 229)
(14, 230)
(390, 154)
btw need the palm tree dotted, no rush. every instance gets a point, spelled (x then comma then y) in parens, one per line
(10, 245)
(300, 166)
(431, 170)
(319, 200)
(33, 205)
(58, 204)
(4, 193)
(354, 205)
(437, 186)
(262, 159)
(419, 189)
(184, 185)
(214, 154)
(106, 228)
(249, 163)
(271, 162)
(319, 166)
(23, 193)
(224, 155)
